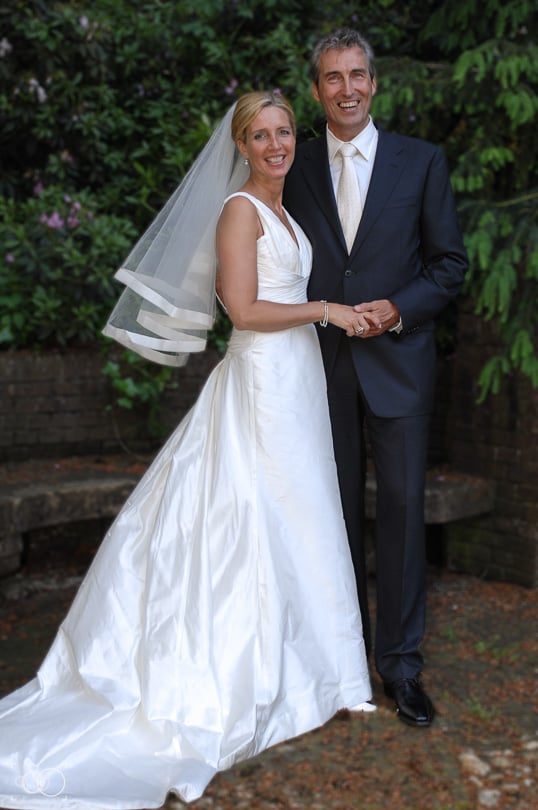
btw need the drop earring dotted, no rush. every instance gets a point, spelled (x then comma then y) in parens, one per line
(246, 161)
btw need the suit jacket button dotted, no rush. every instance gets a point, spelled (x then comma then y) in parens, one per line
(347, 273)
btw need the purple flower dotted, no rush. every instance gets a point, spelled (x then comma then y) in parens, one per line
(67, 198)
(9, 258)
(231, 87)
(44, 219)
(38, 188)
(72, 222)
(55, 221)
(277, 91)
(76, 207)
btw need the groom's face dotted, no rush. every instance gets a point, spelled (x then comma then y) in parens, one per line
(345, 90)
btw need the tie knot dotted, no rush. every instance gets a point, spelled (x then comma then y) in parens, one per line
(348, 150)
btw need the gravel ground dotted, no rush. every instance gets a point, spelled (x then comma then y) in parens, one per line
(481, 656)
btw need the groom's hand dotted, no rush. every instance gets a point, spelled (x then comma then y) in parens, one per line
(381, 316)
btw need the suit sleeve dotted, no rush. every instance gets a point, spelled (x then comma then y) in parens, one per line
(444, 259)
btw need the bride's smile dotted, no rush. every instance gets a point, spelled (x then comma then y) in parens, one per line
(269, 145)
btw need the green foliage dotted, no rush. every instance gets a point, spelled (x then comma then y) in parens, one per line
(58, 254)
(503, 248)
(469, 84)
(109, 102)
(218, 337)
(136, 384)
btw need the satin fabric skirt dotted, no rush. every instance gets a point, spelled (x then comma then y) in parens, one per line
(219, 616)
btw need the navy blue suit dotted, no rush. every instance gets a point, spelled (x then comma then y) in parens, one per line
(409, 249)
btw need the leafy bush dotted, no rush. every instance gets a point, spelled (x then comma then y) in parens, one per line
(59, 256)
(109, 103)
(469, 83)
(136, 382)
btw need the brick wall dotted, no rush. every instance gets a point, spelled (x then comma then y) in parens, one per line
(54, 404)
(497, 440)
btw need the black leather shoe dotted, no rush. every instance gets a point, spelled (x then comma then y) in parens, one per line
(413, 705)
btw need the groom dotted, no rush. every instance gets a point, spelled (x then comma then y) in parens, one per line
(383, 226)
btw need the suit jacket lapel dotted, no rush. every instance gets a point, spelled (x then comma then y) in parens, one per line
(388, 166)
(317, 175)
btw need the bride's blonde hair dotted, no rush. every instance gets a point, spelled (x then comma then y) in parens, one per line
(250, 104)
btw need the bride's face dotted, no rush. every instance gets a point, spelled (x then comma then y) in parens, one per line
(269, 144)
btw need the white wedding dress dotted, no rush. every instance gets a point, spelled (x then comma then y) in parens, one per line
(219, 616)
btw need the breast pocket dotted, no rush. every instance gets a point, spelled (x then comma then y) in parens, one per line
(401, 202)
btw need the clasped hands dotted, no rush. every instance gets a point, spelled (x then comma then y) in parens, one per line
(374, 318)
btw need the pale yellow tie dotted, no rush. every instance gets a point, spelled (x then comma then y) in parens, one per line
(348, 198)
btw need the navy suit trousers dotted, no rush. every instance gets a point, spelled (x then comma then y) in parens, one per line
(398, 449)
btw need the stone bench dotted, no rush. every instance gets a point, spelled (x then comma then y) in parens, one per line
(28, 506)
(449, 496)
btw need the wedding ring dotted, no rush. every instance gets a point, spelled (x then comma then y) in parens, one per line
(359, 330)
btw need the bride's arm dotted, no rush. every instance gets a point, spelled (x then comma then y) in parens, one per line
(238, 230)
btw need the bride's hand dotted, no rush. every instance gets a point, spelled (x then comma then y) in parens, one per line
(353, 323)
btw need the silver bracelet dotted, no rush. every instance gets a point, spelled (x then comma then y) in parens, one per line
(325, 320)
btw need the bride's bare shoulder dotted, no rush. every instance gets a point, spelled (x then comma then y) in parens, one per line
(238, 211)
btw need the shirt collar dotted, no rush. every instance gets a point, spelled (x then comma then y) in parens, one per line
(364, 141)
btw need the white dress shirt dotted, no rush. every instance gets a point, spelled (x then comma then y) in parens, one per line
(366, 143)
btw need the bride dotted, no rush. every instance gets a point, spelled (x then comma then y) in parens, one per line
(220, 614)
